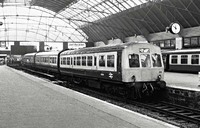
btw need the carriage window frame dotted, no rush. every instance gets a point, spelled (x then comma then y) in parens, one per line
(89, 60)
(102, 61)
(64, 60)
(71, 60)
(75, 60)
(174, 59)
(68, 61)
(195, 59)
(95, 60)
(83, 59)
(134, 63)
(110, 61)
(146, 62)
(156, 60)
(184, 59)
(61, 60)
(78, 61)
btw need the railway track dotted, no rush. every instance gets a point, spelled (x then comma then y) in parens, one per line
(172, 113)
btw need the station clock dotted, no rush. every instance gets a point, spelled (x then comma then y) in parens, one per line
(175, 28)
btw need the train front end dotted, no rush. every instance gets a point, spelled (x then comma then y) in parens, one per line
(143, 69)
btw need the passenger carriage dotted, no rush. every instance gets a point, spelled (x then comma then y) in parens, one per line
(134, 66)
(182, 60)
(28, 60)
(47, 61)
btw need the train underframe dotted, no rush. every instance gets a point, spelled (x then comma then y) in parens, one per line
(132, 90)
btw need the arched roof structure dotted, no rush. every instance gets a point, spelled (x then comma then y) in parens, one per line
(93, 20)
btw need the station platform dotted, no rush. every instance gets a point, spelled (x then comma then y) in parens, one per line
(185, 81)
(183, 89)
(30, 102)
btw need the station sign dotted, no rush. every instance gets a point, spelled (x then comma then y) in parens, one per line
(76, 45)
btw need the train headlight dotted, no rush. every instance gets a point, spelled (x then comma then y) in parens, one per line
(159, 77)
(133, 77)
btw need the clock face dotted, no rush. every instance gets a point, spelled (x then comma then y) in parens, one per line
(175, 28)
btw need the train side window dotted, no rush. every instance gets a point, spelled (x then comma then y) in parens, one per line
(61, 61)
(83, 60)
(195, 59)
(50, 60)
(102, 61)
(156, 60)
(145, 60)
(71, 60)
(95, 60)
(110, 60)
(89, 61)
(68, 60)
(54, 60)
(78, 60)
(184, 59)
(74, 60)
(133, 60)
(64, 61)
(174, 59)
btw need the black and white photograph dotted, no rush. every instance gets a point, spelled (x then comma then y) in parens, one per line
(99, 63)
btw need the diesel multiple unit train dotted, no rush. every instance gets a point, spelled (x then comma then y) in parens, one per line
(182, 60)
(135, 69)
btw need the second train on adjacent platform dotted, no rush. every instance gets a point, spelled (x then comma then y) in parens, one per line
(187, 60)
(135, 69)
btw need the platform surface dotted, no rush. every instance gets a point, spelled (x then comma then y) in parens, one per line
(30, 102)
(182, 80)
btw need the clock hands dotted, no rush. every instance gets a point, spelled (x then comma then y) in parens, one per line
(175, 27)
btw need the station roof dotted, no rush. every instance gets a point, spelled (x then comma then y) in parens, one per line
(92, 20)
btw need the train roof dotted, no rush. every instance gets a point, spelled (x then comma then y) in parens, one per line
(185, 51)
(47, 53)
(30, 54)
(103, 48)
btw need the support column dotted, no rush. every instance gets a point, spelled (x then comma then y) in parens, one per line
(179, 42)
(65, 45)
(41, 46)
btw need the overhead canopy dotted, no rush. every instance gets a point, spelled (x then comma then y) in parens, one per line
(92, 20)
(145, 19)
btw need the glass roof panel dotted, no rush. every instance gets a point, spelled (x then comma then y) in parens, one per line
(21, 23)
(93, 10)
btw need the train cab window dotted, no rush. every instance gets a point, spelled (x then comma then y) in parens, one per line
(134, 60)
(156, 58)
(89, 61)
(78, 60)
(195, 59)
(145, 60)
(68, 60)
(83, 60)
(184, 59)
(174, 59)
(110, 61)
(102, 61)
